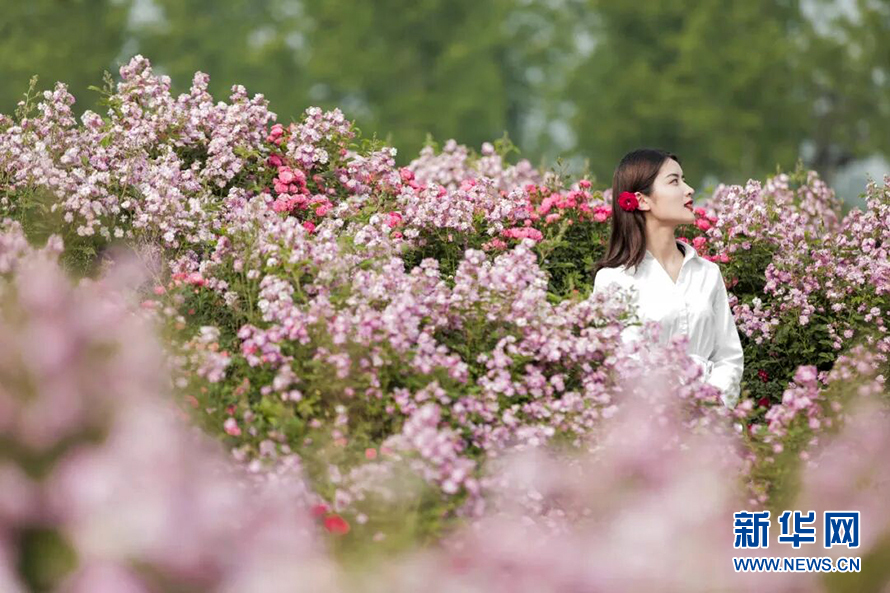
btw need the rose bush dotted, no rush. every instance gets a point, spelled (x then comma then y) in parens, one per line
(400, 330)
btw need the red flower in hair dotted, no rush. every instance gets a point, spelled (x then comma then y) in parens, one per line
(628, 201)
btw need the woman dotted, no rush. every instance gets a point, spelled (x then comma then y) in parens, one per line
(674, 286)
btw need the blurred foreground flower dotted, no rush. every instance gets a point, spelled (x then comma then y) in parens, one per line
(102, 487)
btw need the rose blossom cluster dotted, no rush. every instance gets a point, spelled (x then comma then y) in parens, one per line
(816, 257)
(142, 503)
(363, 319)
(454, 164)
(635, 514)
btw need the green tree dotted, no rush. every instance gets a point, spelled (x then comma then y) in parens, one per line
(72, 41)
(715, 82)
(255, 43)
(453, 68)
(411, 68)
(847, 56)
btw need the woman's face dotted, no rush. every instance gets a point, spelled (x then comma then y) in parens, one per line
(670, 201)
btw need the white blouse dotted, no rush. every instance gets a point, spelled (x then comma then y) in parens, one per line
(696, 305)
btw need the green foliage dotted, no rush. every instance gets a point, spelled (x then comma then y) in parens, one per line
(33, 208)
(46, 558)
(570, 255)
(59, 41)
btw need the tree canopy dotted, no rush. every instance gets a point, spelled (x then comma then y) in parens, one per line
(736, 88)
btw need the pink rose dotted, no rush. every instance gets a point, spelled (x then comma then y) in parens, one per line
(546, 205)
(282, 204)
(231, 427)
(196, 279)
(703, 224)
(395, 219)
(523, 233)
(806, 375)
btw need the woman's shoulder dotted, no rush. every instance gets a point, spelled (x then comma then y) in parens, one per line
(712, 271)
(700, 265)
(712, 268)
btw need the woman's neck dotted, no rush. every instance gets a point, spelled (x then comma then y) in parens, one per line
(662, 244)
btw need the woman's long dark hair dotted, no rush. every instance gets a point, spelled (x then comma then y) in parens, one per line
(635, 173)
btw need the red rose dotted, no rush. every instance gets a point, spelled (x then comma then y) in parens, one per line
(628, 201)
(336, 524)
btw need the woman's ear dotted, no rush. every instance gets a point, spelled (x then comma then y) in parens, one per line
(642, 201)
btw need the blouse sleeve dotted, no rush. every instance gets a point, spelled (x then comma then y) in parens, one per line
(600, 281)
(727, 355)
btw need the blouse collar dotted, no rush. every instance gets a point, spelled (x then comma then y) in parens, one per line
(688, 252)
(688, 255)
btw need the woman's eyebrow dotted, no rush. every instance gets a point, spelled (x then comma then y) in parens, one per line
(675, 175)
